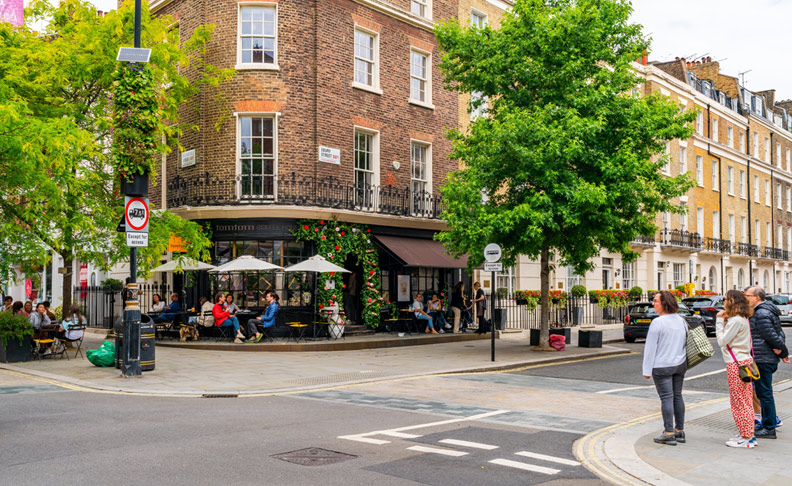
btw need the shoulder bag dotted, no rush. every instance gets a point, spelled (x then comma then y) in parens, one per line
(698, 346)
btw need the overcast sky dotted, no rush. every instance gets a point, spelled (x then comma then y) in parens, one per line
(744, 35)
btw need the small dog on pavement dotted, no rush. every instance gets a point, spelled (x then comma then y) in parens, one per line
(186, 332)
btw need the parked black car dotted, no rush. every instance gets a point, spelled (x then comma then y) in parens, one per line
(641, 315)
(707, 307)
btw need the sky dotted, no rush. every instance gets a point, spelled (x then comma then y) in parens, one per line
(747, 36)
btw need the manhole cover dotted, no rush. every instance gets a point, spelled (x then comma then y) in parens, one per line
(313, 456)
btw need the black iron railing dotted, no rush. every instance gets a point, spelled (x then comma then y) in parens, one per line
(717, 245)
(324, 192)
(747, 249)
(680, 239)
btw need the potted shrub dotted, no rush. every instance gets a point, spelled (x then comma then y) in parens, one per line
(15, 338)
(577, 292)
(112, 285)
(636, 292)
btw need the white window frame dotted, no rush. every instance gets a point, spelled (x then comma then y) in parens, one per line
(428, 81)
(742, 184)
(742, 142)
(756, 188)
(275, 119)
(667, 153)
(767, 150)
(628, 275)
(478, 13)
(374, 170)
(700, 123)
(700, 220)
(788, 198)
(778, 154)
(756, 145)
(779, 197)
(683, 222)
(788, 160)
(757, 232)
(768, 235)
(732, 229)
(743, 229)
(768, 195)
(273, 66)
(427, 6)
(715, 176)
(716, 224)
(427, 181)
(789, 239)
(700, 170)
(730, 136)
(682, 158)
(730, 180)
(375, 72)
(779, 237)
(481, 109)
(715, 127)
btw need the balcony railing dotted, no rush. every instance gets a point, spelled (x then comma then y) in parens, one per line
(774, 253)
(680, 239)
(294, 190)
(717, 245)
(747, 249)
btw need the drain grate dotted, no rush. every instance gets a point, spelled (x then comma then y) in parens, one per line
(313, 456)
(220, 395)
(722, 420)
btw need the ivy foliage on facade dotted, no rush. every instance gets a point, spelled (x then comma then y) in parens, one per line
(335, 241)
(135, 118)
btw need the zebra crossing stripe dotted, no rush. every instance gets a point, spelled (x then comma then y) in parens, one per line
(524, 466)
(432, 450)
(543, 457)
(401, 435)
(464, 443)
(367, 440)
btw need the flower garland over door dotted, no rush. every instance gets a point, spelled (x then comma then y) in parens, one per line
(335, 241)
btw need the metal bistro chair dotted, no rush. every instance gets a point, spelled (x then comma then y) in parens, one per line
(78, 341)
(41, 343)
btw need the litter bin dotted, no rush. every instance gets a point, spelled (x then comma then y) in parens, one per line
(499, 319)
(147, 334)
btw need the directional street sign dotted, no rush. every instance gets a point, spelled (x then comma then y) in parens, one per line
(493, 267)
(121, 228)
(136, 213)
(492, 252)
(137, 240)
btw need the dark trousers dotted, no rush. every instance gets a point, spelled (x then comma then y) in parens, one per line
(764, 391)
(668, 382)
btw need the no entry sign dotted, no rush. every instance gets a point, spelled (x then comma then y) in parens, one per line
(136, 214)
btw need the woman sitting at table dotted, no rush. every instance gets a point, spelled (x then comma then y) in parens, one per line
(437, 314)
(18, 309)
(158, 305)
(230, 306)
(73, 319)
(28, 308)
(223, 317)
(267, 320)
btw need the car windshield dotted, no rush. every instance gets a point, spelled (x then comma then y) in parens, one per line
(779, 299)
(683, 310)
(698, 303)
(642, 309)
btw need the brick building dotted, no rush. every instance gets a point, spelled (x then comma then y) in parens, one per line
(336, 110)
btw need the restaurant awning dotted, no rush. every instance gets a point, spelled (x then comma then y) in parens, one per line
(421, 253)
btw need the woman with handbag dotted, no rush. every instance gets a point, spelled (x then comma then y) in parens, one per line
(665, 361)
(734, 337)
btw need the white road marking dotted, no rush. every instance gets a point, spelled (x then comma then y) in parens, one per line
(615, 390)
(464, 443)
(722, 370)
(445, 452)
(397, 432)
(524, 466)
(367, 440)
(543, 457)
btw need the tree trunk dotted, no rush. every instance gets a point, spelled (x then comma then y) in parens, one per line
(68, 263)
(544, 302)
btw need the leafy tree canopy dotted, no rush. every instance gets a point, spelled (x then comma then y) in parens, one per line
(58, 181)
(567, 159)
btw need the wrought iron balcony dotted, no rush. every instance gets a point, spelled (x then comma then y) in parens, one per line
(747, 249)
(680, 239)
(717, 245)
(644, 240)
(294, 190)
(774, 253)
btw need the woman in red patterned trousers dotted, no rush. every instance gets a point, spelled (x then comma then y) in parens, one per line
(734, 337)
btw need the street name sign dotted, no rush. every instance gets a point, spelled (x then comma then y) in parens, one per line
(136, 214)
(493, 267)
(137, 240)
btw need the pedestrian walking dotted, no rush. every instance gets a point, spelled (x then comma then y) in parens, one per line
(769, 347)
(733, 333)
(457, 304)
(665, 362)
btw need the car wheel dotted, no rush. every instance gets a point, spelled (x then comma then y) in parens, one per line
(629, 339)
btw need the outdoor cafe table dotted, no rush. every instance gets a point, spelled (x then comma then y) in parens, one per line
(244, 316)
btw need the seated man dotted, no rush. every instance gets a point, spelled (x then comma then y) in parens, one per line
(170, 311)
(267, 320)
(417, 307)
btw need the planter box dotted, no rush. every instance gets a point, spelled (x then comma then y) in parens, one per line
(522, 301)
(563, 331)
(534, 341)
(137, 186)
(589, 339)
(16, 353)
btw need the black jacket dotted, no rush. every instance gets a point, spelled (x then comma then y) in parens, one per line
(767, 334)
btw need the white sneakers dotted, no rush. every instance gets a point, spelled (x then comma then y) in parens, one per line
(447, 326)
(741, 442)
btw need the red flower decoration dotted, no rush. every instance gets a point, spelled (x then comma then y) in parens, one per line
(368, 231)
(305, 227)
(334, 296)
(323, 237)
(343, 286)
(342, 233)
(369, 299)
(332, 273)
(372, 272)
(316, 229)
(321, 305)
(338, 247)
(321, 222)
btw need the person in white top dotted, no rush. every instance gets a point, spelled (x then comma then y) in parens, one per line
(734, 338)
(666, 362)
(157, 305)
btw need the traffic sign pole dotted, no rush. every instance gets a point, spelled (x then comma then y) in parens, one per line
(492, 253)
(492, 317)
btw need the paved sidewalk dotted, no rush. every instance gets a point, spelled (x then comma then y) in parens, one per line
(188, 372)
(627, 455)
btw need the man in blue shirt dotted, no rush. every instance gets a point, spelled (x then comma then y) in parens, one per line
(170, 311)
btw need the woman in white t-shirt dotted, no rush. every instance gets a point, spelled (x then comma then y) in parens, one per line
(665, 361)
(158, 305)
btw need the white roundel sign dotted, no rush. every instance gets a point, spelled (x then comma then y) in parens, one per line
(136, 213)
(492, 252)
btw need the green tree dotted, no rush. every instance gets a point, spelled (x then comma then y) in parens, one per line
(567, 160)
(58, 172)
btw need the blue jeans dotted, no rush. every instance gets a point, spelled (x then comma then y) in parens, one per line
(425, 318)
(764, 391)
(439, 318)
(163, 318)
(232, 321)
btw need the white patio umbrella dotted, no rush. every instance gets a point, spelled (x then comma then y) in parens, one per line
(186, 264)
(316, 264)
(246, 263)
